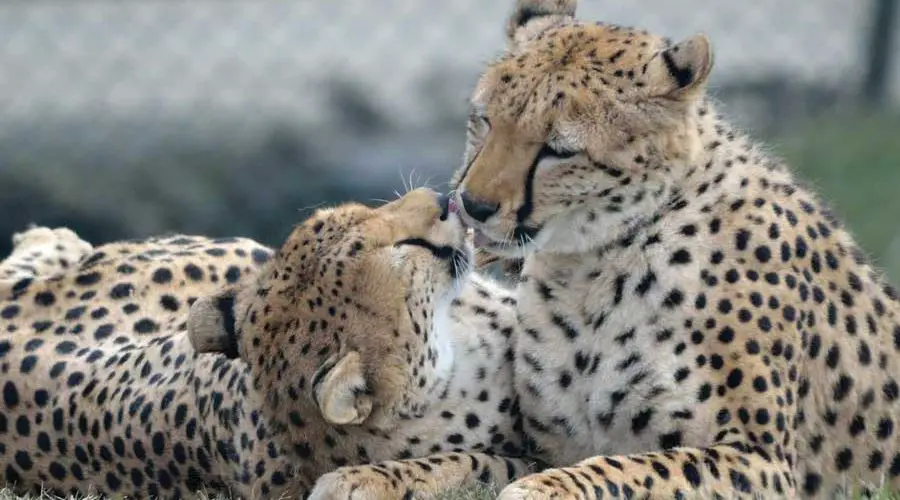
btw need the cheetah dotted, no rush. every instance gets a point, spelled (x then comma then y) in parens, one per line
(59, 284)
(365, 337)
(693, 321)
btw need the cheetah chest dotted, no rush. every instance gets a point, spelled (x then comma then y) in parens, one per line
(599, 369)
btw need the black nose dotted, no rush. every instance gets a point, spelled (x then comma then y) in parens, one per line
(444, 203)
(478, 210)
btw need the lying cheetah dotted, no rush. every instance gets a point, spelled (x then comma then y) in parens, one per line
(364, 338)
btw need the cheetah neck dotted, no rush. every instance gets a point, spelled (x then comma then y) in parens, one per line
(469, 398)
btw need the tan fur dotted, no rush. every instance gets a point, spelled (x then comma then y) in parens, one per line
(42, 251)
(699, 321)
(362, 347)
(346, 316)
(342, 395)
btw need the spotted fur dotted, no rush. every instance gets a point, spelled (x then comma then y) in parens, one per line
(142, 288)
(693, 319)
(363, 339)
(42, 251)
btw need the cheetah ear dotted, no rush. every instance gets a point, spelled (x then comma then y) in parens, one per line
(530, 17)
(681, 71)
(211, 325)
(341, 391)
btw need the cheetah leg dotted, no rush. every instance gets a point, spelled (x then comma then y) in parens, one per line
(421, 477)
(42, 252)
(724, 471)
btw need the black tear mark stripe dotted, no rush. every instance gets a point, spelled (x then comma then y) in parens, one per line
(225, 305)
(683, 76)
(441, 252)
(527, 206)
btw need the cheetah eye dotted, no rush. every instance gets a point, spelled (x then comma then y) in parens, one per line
(554, 152)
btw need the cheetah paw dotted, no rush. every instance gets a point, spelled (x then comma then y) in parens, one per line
(532, 487)
(42, 251)
(347, 485)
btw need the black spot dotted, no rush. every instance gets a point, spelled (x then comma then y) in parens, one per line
(75, 379)
(10, 395)
(232, 274)
(23, 460)
(670, 440)
(260, 256)
(734, 378)
(75, 313)
(169, 303)
(23, 426)
(193, 272)
(10, 311)
(842, 387)
(681, 256)
(159, 443)
(57, 471)
(88, 279)
(812, 483)
(145, 325)
(113, 481)
(45, 299)
(66, 347)
(641, 420)
(673, 299)
(763, 254)
(692, 474)
(121, 291)
(103, 331)
(885, 428)
(741, 239)
(895, 466)
(843, 460)
(162, 275)
(28, 363)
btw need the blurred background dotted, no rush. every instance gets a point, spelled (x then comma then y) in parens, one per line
(128, 118)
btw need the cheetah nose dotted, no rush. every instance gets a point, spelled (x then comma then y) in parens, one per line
(478, 210)
(446, 205)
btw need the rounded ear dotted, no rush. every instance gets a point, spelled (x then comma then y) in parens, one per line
(341, 391)
(681, 71)
(530, 17)
(211, 325)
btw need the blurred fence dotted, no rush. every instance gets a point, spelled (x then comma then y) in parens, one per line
(128, 118)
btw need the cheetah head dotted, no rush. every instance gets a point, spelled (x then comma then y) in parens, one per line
(578, 131)
(343, 319)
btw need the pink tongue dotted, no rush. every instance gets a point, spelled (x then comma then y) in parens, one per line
(452, 207)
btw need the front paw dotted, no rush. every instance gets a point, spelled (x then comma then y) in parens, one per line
(541, 486)
(356, 483)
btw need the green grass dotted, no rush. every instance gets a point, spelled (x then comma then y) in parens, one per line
(480, 492)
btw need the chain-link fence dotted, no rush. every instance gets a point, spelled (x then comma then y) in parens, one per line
(126, 118)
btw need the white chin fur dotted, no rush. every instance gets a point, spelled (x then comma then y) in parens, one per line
(442, 329)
